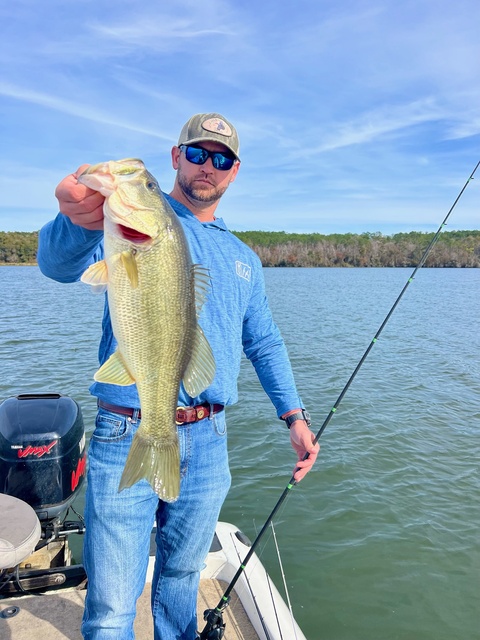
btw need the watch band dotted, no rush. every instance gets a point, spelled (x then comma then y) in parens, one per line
(299, 415)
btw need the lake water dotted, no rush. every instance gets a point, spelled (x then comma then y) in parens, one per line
(381, 541)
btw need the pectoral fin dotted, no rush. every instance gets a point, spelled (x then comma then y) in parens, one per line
(96, 276)
(130, 264)
(114, 371)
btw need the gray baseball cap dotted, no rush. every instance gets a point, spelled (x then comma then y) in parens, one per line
(213, 127)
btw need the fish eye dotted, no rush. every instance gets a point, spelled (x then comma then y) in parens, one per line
(152, 185)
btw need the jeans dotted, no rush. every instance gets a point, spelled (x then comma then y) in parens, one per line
(118, 527)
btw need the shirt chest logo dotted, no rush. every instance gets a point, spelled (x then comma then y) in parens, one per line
(243, 270)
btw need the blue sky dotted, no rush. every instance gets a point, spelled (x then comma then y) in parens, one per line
(353, 116)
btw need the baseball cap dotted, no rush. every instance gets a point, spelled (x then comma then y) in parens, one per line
(213, 127)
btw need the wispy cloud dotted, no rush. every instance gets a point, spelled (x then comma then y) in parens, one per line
(385, 120)
(145, 33)
(79, 110)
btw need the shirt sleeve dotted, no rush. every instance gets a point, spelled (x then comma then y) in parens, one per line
(66, 250)
(264, 347)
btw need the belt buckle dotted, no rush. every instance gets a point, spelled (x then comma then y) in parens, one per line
(176, 412)
(202, 412)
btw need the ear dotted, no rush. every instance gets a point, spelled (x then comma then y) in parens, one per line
(234, 171)
(175, 157)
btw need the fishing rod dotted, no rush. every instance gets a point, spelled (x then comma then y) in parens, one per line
(215, 627)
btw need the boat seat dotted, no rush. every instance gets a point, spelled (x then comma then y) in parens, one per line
(20, 531)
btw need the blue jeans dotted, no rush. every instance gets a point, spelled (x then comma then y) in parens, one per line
(118, 527)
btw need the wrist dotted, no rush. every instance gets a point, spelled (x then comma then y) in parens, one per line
(296, 414)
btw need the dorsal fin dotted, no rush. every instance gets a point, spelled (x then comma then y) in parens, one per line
(202, 283)
(200, 371)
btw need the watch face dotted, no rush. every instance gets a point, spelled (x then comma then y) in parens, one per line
(307, 417)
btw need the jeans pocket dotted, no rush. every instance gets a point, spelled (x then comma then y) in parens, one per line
(219, 423)
(110, 427)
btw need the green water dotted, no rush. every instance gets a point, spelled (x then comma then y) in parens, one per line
(381, 540)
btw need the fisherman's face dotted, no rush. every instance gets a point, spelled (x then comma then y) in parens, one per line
(202, 182)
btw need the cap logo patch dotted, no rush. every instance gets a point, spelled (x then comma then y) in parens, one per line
(217, 125)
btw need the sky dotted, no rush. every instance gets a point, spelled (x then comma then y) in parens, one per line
(353, 116)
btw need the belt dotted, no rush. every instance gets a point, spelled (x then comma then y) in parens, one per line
(184, 414)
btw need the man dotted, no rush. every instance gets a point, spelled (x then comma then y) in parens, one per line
(235, 315)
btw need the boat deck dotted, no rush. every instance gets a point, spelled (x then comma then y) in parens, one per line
(58, 616)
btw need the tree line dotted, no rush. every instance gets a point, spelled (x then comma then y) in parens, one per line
(281, 249)
(18, 247)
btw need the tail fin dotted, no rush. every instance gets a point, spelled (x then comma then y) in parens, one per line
(158, 462)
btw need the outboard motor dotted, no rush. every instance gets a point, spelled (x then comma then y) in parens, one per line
(42, 464)
(42, 451)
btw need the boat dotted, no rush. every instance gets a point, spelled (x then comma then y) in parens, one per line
(42, 468)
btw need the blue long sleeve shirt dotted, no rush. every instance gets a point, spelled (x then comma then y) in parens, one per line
(235, 315)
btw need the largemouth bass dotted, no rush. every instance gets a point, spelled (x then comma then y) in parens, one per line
(155, 295)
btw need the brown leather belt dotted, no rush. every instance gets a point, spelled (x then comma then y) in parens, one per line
(184, 414)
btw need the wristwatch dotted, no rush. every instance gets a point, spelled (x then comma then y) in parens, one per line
(299, 415)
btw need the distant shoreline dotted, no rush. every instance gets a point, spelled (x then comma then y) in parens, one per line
(451, 249)
(293, 266)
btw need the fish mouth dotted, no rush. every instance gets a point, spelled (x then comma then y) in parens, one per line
(133, 235)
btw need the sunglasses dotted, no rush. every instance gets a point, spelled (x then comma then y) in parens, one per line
(223, 161)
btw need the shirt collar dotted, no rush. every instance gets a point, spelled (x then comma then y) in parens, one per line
(183, 212)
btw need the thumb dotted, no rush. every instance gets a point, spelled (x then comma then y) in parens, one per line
(80, 170)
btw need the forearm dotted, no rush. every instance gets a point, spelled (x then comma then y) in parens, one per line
(276, 378)
(65, 250)
(275, 373)
(265, 348)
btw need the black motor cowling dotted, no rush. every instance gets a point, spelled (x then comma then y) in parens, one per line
(42, 451)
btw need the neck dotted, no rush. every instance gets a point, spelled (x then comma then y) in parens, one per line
(204, 211)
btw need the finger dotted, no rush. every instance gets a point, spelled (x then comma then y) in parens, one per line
(302, 468)
(307, 446)
(90, 220)
(70, 190)
(299, 474)
(80, 170)
(304, 465)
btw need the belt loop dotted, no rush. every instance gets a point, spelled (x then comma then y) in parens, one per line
(211, 414)
(134, 418)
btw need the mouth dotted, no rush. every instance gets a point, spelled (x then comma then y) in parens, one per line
(132, 235)
(204, 180)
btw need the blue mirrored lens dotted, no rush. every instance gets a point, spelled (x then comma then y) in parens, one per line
(197, 155)
(222, 162)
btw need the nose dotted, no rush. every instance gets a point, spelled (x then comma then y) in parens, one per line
(210, 162)
(207, 167)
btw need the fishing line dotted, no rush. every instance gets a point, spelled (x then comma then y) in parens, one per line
(214, 616)
(252, 594)
(285, 586)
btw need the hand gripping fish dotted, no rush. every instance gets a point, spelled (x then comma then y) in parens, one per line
(155, 295)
